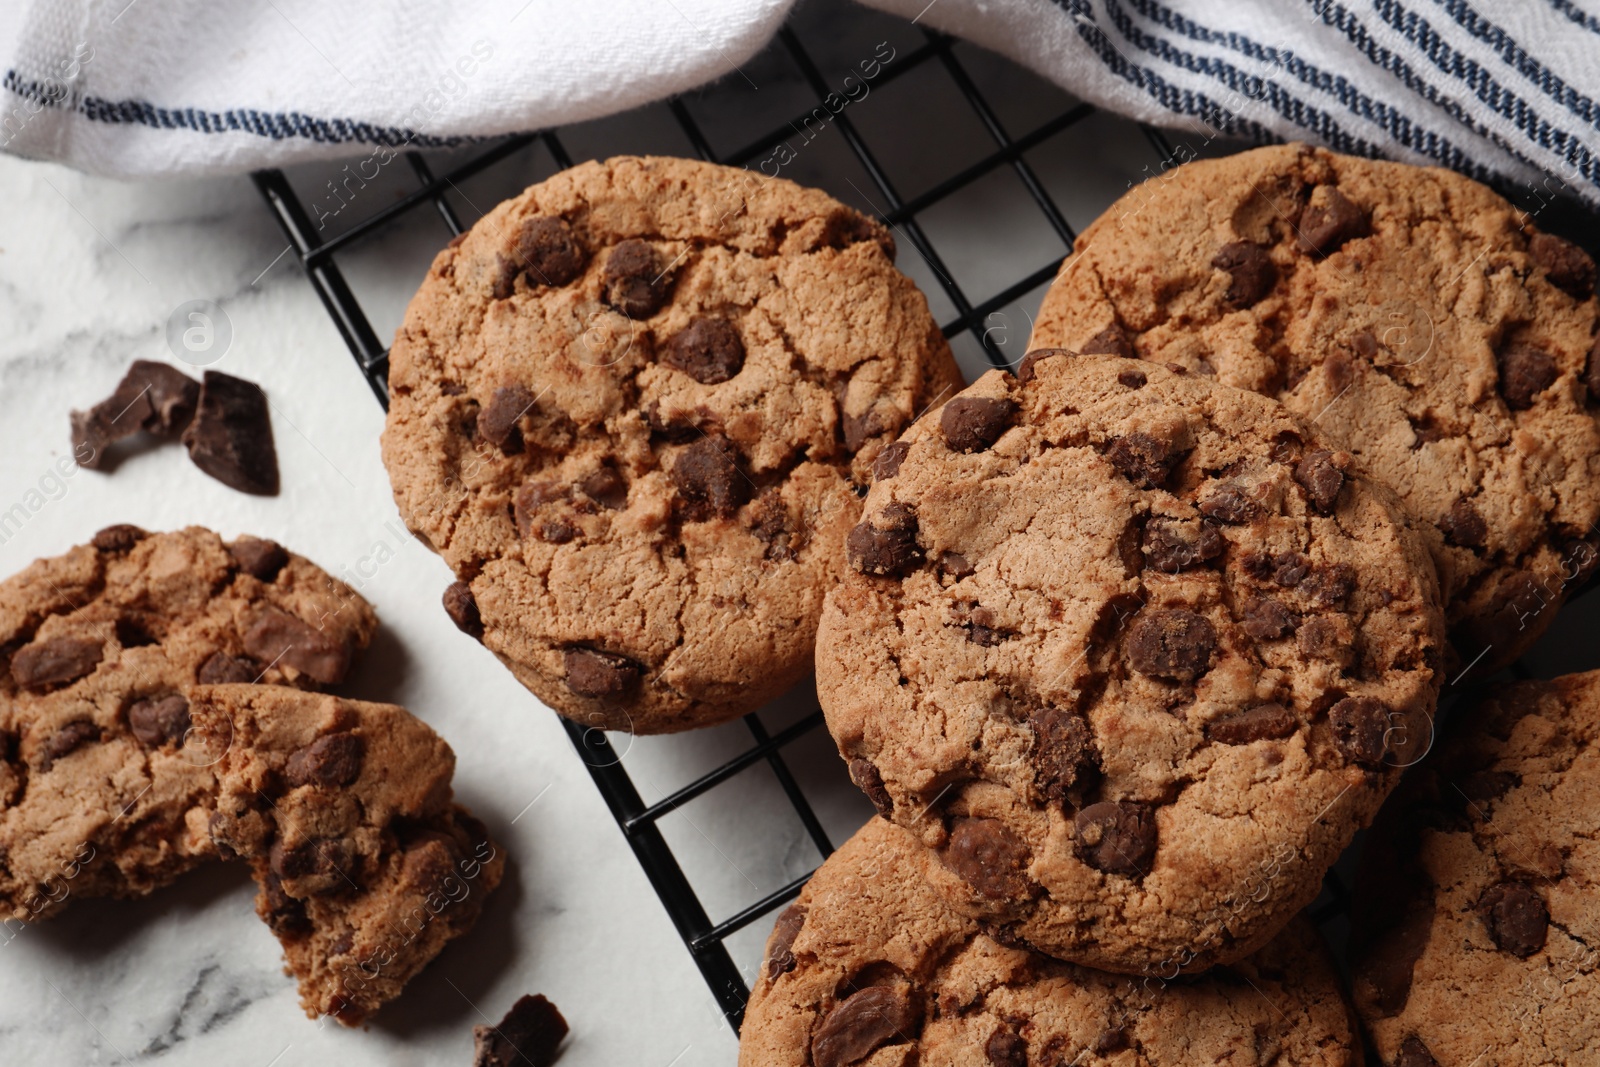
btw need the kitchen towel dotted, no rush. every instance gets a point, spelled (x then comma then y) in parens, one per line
(1503, 89)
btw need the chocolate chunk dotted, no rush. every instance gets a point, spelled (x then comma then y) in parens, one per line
(1230, 503)
(172, 396)
(158, 720)
(221, 668)
(635, 284)
(1171, 643)
(54, 661)
(285, 915)
(119, 538)
(231, 435)
(1330, 586)
(864, 773)
(709, 350)
(887, 465)
(973, 423)
(1144, 460)
(1517, 918)
(1264, 722)
(131, 408)
(707, 472)
(330, 761)
(549, 252)
(1387, 967)
(1005, 1048)
(1321, 478)
(858, 429)
(1361, 728)
(1290, 569)
(1064, 754)
(1173, 545)
(1462, 525)
(278, 637)
(530, 497)
(1117, 837)
(780, 945)
(1265, 619)
(864, 1021)
(988, 857)
(462, 607)
(1250, 269)
(557, 532)
(599, 675)
(1568, 267)
(955, 565)
(1111, 341)
(887, 550)
(1031, 360)
(507, 271)
(1413, 1053)
(1525, 372)
(66, 740)
(259, 557)
(529, 1036)
(982, 631)
(1132, 379)
(498, 422)
(1329, 222)
(772, 523)
(606, 488)
(1323, 637)
(321, 864)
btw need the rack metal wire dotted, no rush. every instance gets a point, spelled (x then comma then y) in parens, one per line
(638, 821)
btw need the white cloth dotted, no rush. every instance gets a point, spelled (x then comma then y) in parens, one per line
(1507, 88)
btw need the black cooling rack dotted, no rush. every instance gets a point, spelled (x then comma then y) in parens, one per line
(705, 938)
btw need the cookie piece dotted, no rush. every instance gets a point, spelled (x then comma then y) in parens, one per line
(342, 809)
(633, 409)
(102, 789)
(1184, 654)
(869, 966)
(1475, 918)
(1419, 319)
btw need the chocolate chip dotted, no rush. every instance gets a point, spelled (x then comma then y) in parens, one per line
(606, 488)
(1171, 643)
(66, 740)
(1289, 569)
(54, 661)
(1250, 269)
(599, 675)
(231, 435)
(1173, 545)
(887, 465)
(1321, 478)
(529, 1036)
(780, 945)
(858, 429)
(278, 637)
(1132, 379)
(1111, 341)
(1117, 837)
(1005, 1048)
(1144, 460)
(1568, 267)
(1388, 965)
(709, 350)
(1065, 758)
(462, 607)
(1030, 361)
(1230, 503)
(1330, 586)
(634, 281)
(955, 565)
(321, 864)
(888, 548)
(982, 631)
(507, 271)
(285, 915)
(221, 669)
(158, 720)
(1517, 918)
(1264, 722)
(259, 557)
(557, 532)
(172, 396)
(1525, 372)
(862, 1022)
(1327, 223)
(988, 857)
(1265, 619)
(1361, 728)
(1462, 525)
(498, 422)
(1111, 1039)
(707, 472)
(1413, 1053)
(1323, 637)
(864, 773)
(119, 538)
(973, 423)
(330, 761)
(549, 252)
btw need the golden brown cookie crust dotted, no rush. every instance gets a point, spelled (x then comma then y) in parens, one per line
(1138, 668)
(646, 519)
(1427, 326)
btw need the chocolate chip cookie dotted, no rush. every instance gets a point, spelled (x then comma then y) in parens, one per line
(633, 408)
(101, 784)
(1422, 322)
(1134, 652)
(342, 809)
(869, 966)
(1476, 922)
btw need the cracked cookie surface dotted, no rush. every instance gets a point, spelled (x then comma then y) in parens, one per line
(1423, 322)
(870, 967)
(631, 409)
(1134, 653)
(1476, 925)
